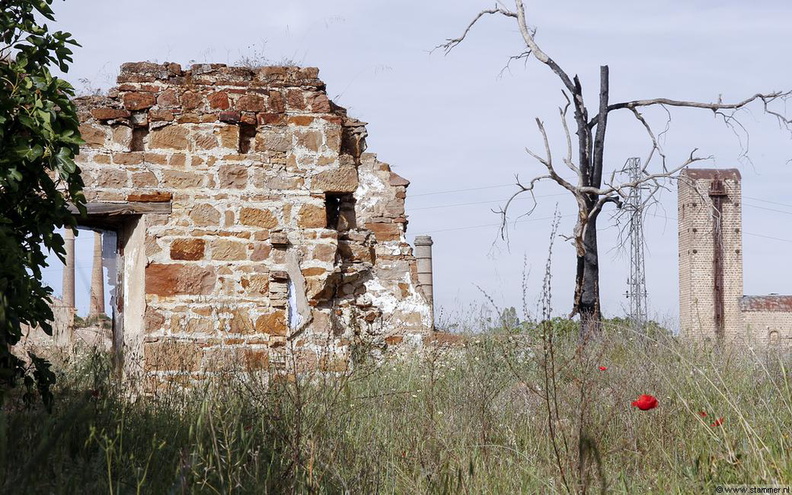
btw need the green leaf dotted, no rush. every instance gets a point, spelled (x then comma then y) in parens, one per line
(65, 161)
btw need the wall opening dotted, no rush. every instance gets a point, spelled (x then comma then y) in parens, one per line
(247, 135)
(139, 138)
(340, 210)
(103, 284)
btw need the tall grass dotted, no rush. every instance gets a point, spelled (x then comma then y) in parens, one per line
(468, 419)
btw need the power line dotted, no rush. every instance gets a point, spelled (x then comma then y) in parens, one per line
(768, 237)
(767, 209)
(454, 205)
(489, 225)
(768, 201)
(460, 190)
(674, 219)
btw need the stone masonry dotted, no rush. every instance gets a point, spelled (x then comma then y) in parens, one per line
(250, 220)
(712, 304)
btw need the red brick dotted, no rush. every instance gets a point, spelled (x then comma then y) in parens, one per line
(150, 197)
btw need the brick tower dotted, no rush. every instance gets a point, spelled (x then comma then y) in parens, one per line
(710, 253)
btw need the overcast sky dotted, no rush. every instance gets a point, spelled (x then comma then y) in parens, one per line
(457, 125)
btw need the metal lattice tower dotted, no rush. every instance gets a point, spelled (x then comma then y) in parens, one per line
(637, 281)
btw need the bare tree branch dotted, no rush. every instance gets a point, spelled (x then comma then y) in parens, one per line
(590, 193)
(451, 43)
(765, 97)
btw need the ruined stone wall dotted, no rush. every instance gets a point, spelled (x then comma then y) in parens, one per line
(281, 227)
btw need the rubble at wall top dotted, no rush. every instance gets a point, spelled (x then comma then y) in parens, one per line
(221, 75)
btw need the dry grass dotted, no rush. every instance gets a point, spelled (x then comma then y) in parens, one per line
(471, 420)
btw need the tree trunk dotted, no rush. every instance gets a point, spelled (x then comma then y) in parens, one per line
(588, 304)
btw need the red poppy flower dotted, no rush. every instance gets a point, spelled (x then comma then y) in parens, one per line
(645, 402)
(603, 368)
(702, 414)
(717, 422)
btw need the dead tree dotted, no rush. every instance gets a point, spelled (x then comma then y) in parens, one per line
(586, 183)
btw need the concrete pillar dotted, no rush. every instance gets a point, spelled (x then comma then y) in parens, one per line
(68, 269)
(423, 256)
(97, 280)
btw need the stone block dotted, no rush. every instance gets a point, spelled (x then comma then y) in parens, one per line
(312, 217)
(233, 176)
(192, 100)
(139, 100)
(319, 103)
(152, 246)
(311, 139)
(205, 215)
(144, 179)
(273, 140)
(153, 320)
(295, 100)
(169, 137)
(228, 250)
(172, 355)
(230, 117)
(198, 326)
(111, 178)
(314, 271)
(205, 141)
(325, 253)
(107, 113)
(300, 120)
(276, 103)
(251, 103)
(342, 179)
(94, 137)
(218, 100)
(398, 180)
(229, 136)
(272, 119)
(256, 284)
(177, 160)
(272, 324)
(279, 239)
(187, 249)
(385, 231)
(128, 158)
(255, 359)
(258, 217)
(168, 98)
(160, 115)
(177, 279)
(333, 364)
(181, 180)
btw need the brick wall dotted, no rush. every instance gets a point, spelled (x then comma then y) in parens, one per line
(768, 319)
(748, 319)
(273, 199)
(697, 252)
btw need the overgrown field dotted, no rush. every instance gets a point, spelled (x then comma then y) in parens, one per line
(508, 412)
